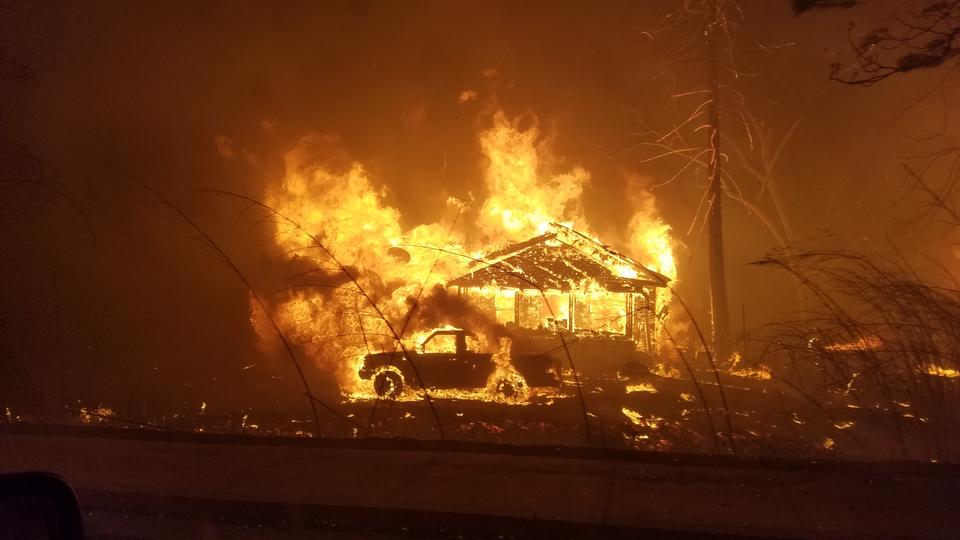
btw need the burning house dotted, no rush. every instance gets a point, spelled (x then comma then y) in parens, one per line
(610, 306)
(551, 287)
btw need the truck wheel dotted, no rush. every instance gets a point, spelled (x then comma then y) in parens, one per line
(510, 389)
(388, 384)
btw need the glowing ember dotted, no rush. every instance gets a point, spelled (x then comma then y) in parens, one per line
(99, 414)
(760, 373)
(651, 422)
(664, 370)
(641, 387)
(869, 343)
(940, 371)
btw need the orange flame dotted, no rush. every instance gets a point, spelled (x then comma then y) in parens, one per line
(337, 201)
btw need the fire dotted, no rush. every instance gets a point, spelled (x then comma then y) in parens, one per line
(523, 202)
(940, 371)
(505, 383)
(652, 241)
(761, 372)
(638, 419)
(866, 343)
(340, 319)
(663, 370)
(641, 387)
(98, 414)
(649, 238)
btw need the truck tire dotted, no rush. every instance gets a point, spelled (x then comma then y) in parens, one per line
(388, 384)
(506, 389)
(512, 390)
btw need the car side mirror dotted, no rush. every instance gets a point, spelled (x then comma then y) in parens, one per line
(38, 505)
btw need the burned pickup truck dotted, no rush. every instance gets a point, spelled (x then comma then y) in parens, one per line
(450, 359)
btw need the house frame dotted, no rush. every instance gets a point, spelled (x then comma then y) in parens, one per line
(607, 293)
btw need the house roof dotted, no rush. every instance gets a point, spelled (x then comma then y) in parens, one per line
(562, 259)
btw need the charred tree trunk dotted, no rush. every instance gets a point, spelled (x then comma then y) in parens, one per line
(719, 308)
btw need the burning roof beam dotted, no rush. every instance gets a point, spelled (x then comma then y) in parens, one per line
(561, 260)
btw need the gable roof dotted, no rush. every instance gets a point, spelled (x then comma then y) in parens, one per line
(562, 259)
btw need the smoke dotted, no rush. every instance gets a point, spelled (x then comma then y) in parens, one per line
(441, 307)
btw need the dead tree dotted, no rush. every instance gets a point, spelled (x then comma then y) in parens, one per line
(719, 303)
(719, 136)
(925, 38)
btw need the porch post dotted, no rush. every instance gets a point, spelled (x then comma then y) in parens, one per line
(516, 308)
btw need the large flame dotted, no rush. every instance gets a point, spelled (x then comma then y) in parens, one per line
(523, 200)
(329, 313)
(649, 238)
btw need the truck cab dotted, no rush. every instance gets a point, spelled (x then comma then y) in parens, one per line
(448, 359)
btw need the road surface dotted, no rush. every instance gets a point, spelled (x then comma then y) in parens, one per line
(151, 485)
